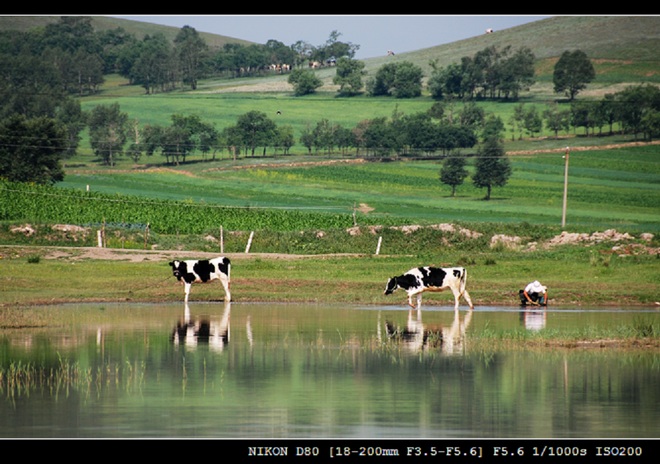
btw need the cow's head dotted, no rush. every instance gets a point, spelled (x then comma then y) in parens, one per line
(391, 286)
(176, 269)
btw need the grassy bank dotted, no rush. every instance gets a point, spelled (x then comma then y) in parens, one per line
(575, 275)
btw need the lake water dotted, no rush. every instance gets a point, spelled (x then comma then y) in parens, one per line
(296, 371)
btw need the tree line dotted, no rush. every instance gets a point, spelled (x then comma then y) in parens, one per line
(32, 148)
(113, 134)
(42, 72)
(70, 56)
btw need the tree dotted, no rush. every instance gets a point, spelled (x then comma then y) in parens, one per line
(191, 50)
(31, 149)
(492, 126)
(344, 138)
(517, 73)
(284, 138)
(333, 48)
(421, 132)
(108, 128)
(304, 82)
(456, 137)
(446, 81)
(581, 115)
(29, 86)
(492, 168)
(324, 136)
(349, 76)
(651, 124)
(407, 81)
(532, 121)
(401, 80)
(633, 103)
(255, 129)
(196, 135)
(607, 111)
(176, 143)
(278, 53)
(556, 119)
(152, 69)
(573, 71)
(453, 172)
(74, 120)
(379, 137)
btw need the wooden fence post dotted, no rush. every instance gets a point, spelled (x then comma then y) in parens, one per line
(146, 235)
(222, 241)
(380, 241)
(249, 243)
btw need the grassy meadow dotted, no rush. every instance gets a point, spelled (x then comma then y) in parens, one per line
(607, 189)
(304, 204)
(575, 275)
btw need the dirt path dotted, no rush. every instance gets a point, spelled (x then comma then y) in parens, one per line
(131, 255)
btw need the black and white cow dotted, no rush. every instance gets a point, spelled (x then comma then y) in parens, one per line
(203, 270)
(431, 279)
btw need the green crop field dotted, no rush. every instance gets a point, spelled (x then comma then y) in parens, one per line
(607, 188)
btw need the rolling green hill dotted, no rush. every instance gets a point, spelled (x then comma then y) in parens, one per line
(102, 23)
(603, 38)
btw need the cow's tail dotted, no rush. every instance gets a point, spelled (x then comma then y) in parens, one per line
(463, 281)
(228, 272)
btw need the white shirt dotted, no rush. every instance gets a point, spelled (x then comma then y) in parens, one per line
(535, 287)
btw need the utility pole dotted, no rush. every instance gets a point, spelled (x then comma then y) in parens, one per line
(563, 213)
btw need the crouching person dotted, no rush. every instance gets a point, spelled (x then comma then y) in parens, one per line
(535, 294)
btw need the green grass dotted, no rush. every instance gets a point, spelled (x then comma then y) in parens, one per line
(607, 188)
(574, 275)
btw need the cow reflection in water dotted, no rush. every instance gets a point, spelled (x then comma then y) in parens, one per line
(192, 333)
(417, 336)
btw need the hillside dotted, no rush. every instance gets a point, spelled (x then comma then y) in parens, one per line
(625, 48)
(619, 41)
(102, 23)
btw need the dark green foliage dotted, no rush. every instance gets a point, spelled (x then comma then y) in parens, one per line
(453, 172)
(31, 150)
(573, 72)
(492, 168)
(304, 82)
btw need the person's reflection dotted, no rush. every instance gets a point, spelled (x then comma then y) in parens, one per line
(417, 336)
(202, 330)
(533, 319)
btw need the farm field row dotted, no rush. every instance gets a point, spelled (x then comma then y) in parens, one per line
(607, 188)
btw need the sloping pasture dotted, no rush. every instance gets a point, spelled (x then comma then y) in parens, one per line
(607, 188)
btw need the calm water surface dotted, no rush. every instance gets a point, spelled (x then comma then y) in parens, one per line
(296, 371)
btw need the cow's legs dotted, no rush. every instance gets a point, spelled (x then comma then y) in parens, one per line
(187, 290)
(410, 303)
(457, 296)
(419, 300)
(225, 284)
(466, 295)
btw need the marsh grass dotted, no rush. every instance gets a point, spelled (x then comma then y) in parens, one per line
(63, 377)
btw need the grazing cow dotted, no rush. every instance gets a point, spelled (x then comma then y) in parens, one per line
(431, 279)
(489, 31)
(203, 270)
